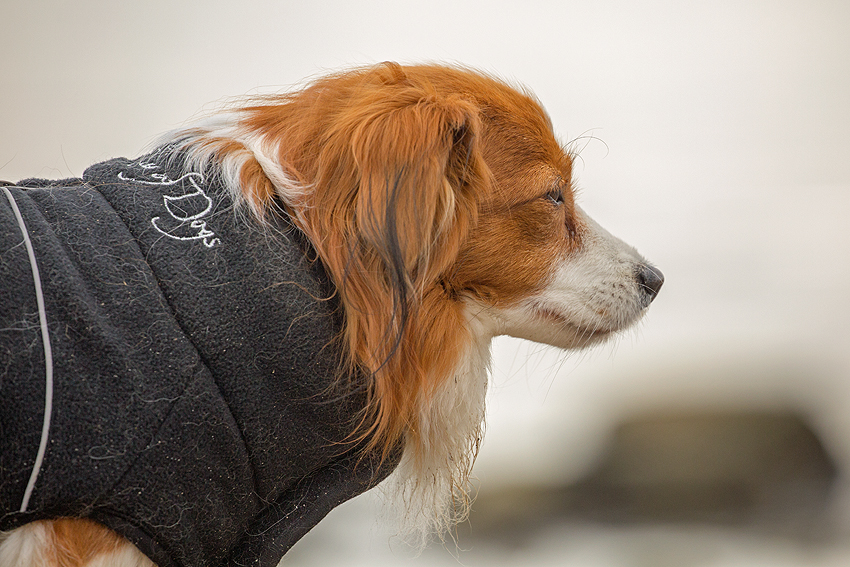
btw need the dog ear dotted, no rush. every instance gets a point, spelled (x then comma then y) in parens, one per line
(419, 163)
(399, 173)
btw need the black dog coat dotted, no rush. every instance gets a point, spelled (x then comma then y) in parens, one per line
(191, 363)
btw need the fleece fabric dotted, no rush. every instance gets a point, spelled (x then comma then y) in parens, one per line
(192, 354)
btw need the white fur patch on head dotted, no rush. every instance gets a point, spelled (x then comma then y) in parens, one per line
(593, 293)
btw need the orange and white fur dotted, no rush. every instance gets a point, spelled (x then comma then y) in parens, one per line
(441, 204)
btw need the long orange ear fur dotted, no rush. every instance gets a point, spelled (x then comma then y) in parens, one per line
(389, 230)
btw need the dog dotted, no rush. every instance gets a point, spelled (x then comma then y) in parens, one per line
(315, 279)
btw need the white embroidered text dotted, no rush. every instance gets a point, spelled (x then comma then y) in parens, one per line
(185, 212)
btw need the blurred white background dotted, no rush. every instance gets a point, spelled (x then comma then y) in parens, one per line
(714, 136)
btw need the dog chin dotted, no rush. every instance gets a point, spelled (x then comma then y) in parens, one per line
(543, 325)
(563, 333)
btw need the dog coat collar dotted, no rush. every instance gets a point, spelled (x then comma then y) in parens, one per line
(193, 356)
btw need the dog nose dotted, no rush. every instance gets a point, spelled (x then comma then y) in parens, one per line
(650, 280)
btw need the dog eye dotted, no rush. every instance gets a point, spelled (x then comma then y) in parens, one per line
(556, 196)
